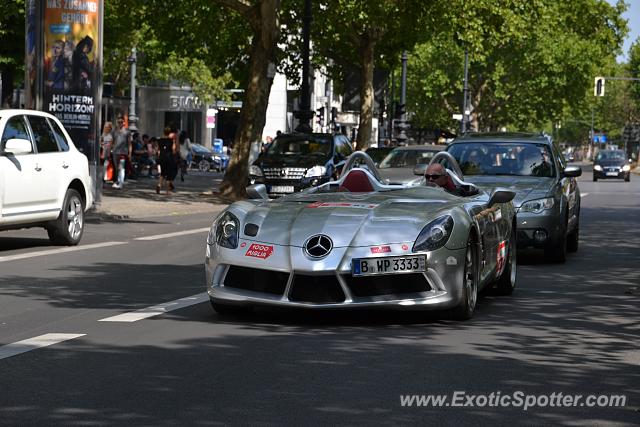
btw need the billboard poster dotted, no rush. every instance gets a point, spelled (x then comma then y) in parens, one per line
(70, 76)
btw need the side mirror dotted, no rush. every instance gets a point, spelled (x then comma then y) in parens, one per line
(572, 171)
(257, 191)
(630, 161)
(501, 195)
(420, 169)
(17, 146)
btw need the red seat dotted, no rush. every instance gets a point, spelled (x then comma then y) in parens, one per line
(356, 182)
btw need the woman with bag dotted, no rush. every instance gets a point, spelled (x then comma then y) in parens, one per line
(185, 153)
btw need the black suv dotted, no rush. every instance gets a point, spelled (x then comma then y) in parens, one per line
(293, 162)
(547, 194)
(611, 164)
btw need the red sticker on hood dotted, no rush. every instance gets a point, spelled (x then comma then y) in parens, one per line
(259, 251)
(380, 249)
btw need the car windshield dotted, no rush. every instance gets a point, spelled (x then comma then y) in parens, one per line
(502, 158)
(300, 145)
(610, 155)
(406, 158)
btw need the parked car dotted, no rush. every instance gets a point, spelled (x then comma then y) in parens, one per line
(294, 162)
(547, 194)
(44, 179)
(377, 154)
(358, 242)
(205, 159)
(403, 163)
(611, 164)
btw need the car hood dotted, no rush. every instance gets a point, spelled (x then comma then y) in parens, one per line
(526, 187)
(348, 219)
(608, 163)
(291, 161)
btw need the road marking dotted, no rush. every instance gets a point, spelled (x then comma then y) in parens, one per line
(59, 251)
(583, 195)
(34, 343)
(156, 310)
(178, 233)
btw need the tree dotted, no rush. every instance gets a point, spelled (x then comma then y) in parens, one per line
(363, 35)
(529, 59)
(263, 19)
(12, 47)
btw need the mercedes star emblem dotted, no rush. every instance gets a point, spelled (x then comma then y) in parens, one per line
(318, 246)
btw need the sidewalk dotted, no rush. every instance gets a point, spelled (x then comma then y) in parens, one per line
(138, 198)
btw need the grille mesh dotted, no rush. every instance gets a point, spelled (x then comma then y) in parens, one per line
(284, 173)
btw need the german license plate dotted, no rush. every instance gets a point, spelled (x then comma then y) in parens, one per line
(612, 173)
(282, 189)
(388, 265)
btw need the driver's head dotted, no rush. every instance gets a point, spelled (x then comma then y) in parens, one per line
(436, 174)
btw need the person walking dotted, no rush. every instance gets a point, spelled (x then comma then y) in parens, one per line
(106, 143)
(185, 153)
(121, 150)
(167, 151)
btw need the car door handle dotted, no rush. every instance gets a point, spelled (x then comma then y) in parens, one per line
(38, 168)
(65, 165)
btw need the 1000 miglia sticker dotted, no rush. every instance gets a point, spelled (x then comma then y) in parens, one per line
(257, 250)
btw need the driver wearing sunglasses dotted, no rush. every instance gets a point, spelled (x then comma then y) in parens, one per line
(437, 174)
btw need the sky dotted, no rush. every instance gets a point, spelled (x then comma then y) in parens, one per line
(632, 15)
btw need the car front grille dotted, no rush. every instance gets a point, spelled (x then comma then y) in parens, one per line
(316, 289)
(387, 285)
(614, 169)
(284, 173)
(257, 280)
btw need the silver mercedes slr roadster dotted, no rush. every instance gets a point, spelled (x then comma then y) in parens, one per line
(358, 242)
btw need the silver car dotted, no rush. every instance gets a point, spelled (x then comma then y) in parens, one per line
(357, 242)
(402, 164)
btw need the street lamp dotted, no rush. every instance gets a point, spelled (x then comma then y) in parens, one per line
(133, 119)
(304, 114)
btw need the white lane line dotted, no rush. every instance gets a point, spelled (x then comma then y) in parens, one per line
(178, 233)
(156, 310)
(583, 195)
(34, 343)
(59, 251)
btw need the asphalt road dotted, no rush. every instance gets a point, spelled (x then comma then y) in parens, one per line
(570, 329)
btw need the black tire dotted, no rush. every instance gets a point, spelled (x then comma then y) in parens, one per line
(203, 166)
(227, 309)
(67, 230)
(558, 252)
(573, 239)
(595, 178)
(507, 281)
(467, 306)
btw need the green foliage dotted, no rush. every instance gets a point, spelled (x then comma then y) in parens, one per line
(12, 36)
(528, 60)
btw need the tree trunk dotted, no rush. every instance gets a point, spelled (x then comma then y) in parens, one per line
(263, 19)
(366, 93)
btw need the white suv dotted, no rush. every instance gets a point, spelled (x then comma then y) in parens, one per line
(44, 179)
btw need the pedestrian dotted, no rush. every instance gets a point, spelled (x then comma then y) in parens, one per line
(148, 157)
(185, 153)
(166, 159)
(122, 148)
(106, 143)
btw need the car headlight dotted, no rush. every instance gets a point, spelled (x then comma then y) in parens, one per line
(626, 168)
(315, 171)
(224, 231)
(434, 235)
(255, 170)
(537, 206)
(597, 168)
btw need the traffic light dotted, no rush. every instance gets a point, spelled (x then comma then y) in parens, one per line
(598, 89)
(320, 112)
(334, 114)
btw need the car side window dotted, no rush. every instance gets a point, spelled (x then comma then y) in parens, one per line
(15, 128)
(62, 141)
(561, 160)
(44, 136)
